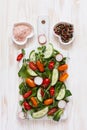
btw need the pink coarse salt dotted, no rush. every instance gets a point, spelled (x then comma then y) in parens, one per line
(21, 31)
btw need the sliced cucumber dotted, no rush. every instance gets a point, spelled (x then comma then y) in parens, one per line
(32, 56)
(49, 51)
(55, 76)
(39, 96)
(31, 72)
(61, 93)
(40, 113)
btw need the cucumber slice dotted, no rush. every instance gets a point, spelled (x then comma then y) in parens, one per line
(39, 95)
(61, 93)
(40, 113)
(55, 76)
(49, 51)
(32, 56)
(31, 72)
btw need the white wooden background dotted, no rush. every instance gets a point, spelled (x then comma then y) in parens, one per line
(12, 11)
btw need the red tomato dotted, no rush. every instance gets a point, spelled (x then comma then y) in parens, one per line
(52, 111)
(51, 65)
(46, 82)
(26, 95)
(52, 91)
(32, 65)
(42, 93)
(19, 57)
(27, 106)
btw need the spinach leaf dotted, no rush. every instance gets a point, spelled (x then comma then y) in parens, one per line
(68, 93)
(23, 72)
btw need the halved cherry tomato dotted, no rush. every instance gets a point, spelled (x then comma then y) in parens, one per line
(51, 65)
(19, 57)
(27, 106)
(52, 91)
(46, 82)
(34, 101)
(52, 111)
(40, 66)
(63, 67)
(27, 94)
(32, 65)
(30, 82)
(48, 101)
(63, 77)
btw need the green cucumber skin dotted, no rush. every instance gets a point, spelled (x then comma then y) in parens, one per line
(63, 94)
(32, 58)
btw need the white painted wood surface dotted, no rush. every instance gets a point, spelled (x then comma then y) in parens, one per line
(12, 11)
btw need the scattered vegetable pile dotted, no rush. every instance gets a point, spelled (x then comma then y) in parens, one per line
(43, 89)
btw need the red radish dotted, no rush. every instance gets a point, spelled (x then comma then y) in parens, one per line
(27, 106)
(51, 65)
(26, 95)
(21, 115)
(38, 80)
(32, 65)
(46, 82)
(19, 57)
(52, 91)
(42, 39)
(59, 57)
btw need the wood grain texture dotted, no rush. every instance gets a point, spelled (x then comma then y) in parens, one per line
(12, 11)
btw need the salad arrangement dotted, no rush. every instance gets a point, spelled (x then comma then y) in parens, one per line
(43, 87)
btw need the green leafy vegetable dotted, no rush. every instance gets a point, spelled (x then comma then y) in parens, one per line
(57, 115)
(68, 93)
(23, 72)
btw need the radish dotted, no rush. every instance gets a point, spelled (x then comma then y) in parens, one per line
(38, 80)
(61, 104)
(42, 39)
(21, 115)
(59, 57)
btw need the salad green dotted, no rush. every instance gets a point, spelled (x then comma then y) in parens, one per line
(43, 76)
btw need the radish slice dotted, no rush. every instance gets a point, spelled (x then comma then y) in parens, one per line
(21, 115)
(38, 80)
(59, 57)
(42, 39)
(61, 104)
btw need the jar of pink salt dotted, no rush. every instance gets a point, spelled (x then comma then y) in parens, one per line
(21, 32)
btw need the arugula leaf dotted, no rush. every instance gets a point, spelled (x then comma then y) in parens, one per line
(23, 88)
(68, 93)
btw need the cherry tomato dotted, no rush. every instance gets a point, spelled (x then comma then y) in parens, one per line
(32, 65)
(42, 93)
(52, 91)
(40, 66)
(19, 57)
(26, 95)
(52, 111)
(27, 106)
(48, 101)
(46, 82)
(51, 65)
